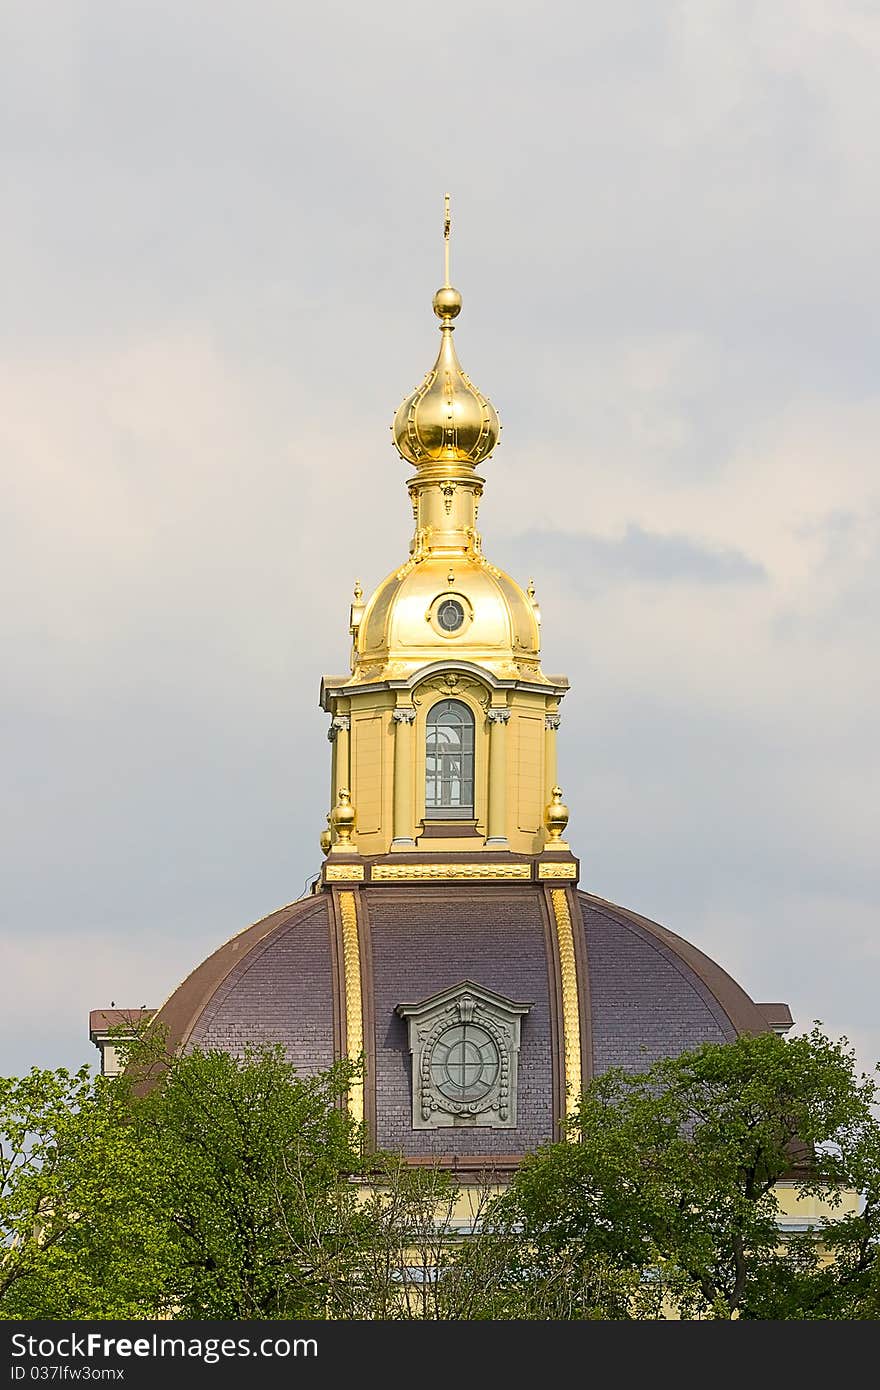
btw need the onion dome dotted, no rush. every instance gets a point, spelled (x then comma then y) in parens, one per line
(446, 419)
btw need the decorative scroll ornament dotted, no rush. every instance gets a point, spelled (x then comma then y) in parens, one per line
(421, 548)
(339, 722)
(452, 684)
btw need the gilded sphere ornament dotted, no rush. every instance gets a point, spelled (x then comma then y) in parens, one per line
(447, 303)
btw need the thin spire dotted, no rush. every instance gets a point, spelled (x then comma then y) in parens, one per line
(447, 228)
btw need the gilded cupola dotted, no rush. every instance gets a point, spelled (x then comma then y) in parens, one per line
(447, 891)
(445, 636)
(446, 420)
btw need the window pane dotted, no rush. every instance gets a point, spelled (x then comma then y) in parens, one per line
(449, 761)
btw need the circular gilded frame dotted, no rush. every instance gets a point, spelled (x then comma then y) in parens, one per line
(432, 614)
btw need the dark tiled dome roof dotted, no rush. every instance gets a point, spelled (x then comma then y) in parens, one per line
(650, 994)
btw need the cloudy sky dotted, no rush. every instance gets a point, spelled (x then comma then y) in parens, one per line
(219, 239)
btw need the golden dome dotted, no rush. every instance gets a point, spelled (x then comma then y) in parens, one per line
(446, 602)
(446, 419)
(448, 607)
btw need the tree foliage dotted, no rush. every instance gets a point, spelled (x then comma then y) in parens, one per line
(210, 1186)
(250, 1170)
(224, 1192)
(73, 1242)
(675, 1174)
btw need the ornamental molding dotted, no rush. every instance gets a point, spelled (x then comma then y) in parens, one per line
(354, 1012)
(556, 869)
(451, 684)
(465, 1045)
(340, 687)
(343, 873)
(571, 1014)
(498, 716)
(425, 873)
(404, 714)
(339, 723)
(552, 721)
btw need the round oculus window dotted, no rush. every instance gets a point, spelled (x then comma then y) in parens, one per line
(450, 615)
(465, 1063)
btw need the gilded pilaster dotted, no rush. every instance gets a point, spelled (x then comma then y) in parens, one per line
(497, 826)
(551, 728)
(571, 1020)
(354, 1008)
(339, 735)
(404, 814)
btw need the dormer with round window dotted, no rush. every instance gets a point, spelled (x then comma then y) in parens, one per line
(465, 1051)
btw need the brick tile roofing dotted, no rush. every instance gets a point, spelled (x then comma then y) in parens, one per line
(651, 993)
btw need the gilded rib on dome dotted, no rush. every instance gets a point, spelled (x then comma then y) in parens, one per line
(446, 419)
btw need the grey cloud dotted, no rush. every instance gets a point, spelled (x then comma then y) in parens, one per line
(640, 555)
(221, 239)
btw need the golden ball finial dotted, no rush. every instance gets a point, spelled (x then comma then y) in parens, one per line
(447, 303)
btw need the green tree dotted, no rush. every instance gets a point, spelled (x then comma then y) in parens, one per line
(415, 1221)
(671, 1183)
(70, 1237)
(225, 1191)
(211, 1186)
(250, 1176)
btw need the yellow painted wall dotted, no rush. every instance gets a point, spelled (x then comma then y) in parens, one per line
(371, 771)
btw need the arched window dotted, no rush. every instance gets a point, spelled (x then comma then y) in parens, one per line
(449, 762)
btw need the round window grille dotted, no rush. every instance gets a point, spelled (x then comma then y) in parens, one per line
(450, 615)
(465, 1063)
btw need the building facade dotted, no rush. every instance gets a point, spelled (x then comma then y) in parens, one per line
(447, 941)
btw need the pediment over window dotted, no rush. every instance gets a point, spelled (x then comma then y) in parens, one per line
(464, 1043)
